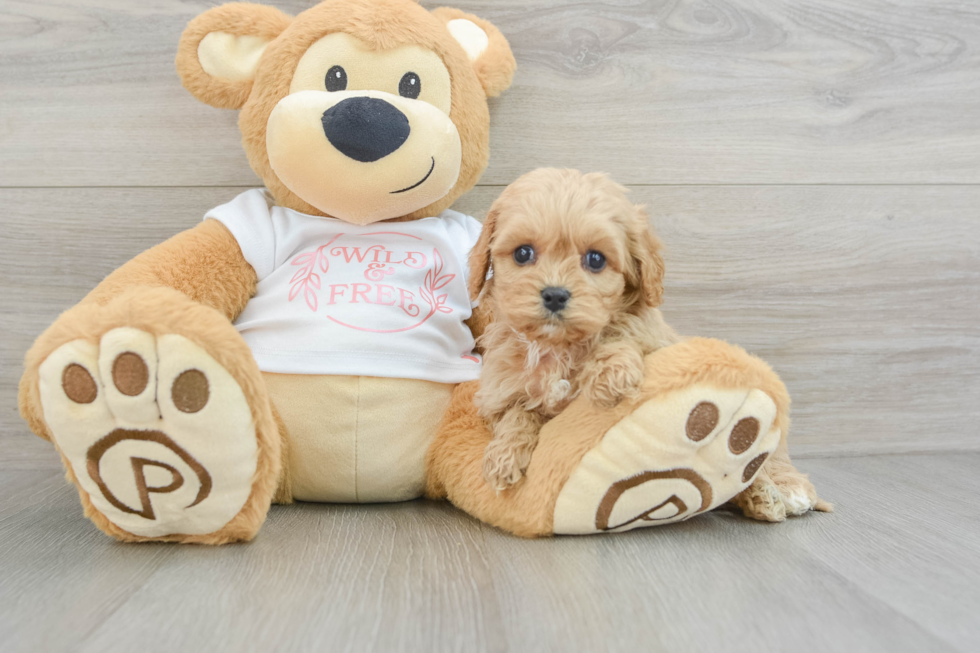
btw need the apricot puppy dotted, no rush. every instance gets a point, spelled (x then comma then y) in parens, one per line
(569, 276)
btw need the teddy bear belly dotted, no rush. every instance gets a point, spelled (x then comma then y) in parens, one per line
(356, 439)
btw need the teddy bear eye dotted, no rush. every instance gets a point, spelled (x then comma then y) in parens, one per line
(410, 86)
(524, 255)
(594, 261)
(336, 79)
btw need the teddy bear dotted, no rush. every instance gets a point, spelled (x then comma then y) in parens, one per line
(314, 340)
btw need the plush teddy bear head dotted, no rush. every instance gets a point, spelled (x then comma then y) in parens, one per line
(362, 110)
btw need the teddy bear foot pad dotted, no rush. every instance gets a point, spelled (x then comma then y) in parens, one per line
(674, 457)
(156, 431)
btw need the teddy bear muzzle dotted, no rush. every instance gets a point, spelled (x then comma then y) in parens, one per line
(363, 156)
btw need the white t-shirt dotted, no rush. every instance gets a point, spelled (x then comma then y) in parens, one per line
(384, 299)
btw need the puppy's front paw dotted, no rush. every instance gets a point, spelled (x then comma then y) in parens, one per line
(778, 492)
(612, 377)
(504, 464)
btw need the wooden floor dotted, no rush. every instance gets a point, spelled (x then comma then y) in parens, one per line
(893, 570)
(814, 169)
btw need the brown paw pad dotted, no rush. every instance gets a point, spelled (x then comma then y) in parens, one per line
(743, 435)
(190, 391)
(702, 421)
(130, 374)
(79, 385)
(753, 467)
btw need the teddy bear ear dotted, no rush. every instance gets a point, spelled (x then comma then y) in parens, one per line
(486, 47)
(220, 50)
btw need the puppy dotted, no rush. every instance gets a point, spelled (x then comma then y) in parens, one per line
(568, 276)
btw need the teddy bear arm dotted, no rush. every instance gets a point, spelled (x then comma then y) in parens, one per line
(205, 263)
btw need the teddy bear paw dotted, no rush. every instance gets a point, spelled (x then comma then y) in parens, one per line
(675, 456)
(157, 433)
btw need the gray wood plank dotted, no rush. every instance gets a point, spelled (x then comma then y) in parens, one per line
(865, 299)
(922, 518)
(397, 577)
(877, 575)
(739, 91)
(894, 569)
(710, 585)
(25, 489)
(61, 577)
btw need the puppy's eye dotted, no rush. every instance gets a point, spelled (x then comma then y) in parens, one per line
(410, 86)
(336, 79)
(594, 261)
(524, 255)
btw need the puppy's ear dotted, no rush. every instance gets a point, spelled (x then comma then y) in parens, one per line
(220, 50)
(648, 277)
(480, 260)
(486, 47)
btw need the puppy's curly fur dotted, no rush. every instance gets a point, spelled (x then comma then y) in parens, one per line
(537, 359)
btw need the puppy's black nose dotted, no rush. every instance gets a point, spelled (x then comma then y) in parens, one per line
(365, 128)
(554, 299)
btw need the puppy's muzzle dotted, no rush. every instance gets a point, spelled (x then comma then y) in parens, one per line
(365, 128)
(555, 299)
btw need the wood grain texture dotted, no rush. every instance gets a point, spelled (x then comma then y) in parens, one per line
(403, 577)
(653, 91)
(893, 570)
(47, 546)
(809, 586)
(864, 299)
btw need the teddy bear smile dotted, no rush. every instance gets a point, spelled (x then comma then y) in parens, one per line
(420, 182)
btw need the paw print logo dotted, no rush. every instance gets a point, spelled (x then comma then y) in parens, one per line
(670, 508)
(139, 464)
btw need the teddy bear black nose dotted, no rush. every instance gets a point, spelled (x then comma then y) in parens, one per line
(365, 128)
(554, 299)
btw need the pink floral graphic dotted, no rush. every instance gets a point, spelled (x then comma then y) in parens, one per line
(434, 280)
(306, 278)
